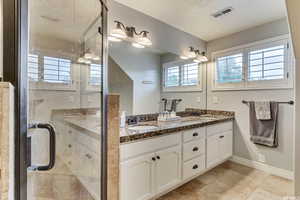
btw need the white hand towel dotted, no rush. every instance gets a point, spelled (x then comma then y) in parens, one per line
(263, 110)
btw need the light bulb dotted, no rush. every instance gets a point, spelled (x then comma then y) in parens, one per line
(204, 59)
(81, 60)
(144, 39)
(88, 62)
(137, 45)
(197, 60)
(118, 32)
(88, 55)
(183, 57)
(96, 57)
(114, 39)
(191, 54)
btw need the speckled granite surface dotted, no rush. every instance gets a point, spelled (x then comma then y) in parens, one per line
(191, 118)
(162, 128)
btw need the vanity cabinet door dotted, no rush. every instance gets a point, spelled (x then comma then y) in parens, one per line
(136, 178)
(226, 145)
(213, 151)
(167, 169)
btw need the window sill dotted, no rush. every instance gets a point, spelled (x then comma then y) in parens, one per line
(51, 86)
(251, 88)
(183, 89)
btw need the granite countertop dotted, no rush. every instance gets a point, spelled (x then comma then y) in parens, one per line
(191, 118)
(162, 128)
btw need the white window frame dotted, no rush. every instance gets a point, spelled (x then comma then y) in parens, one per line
(88, 86)
(181, 88)
(245, 84)
(44, 85)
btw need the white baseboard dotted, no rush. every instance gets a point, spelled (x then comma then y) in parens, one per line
(264, 167)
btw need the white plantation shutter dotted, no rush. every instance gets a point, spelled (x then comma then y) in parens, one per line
(95, 74)
(260, 65)
(57, 70)
(266, 64)
(229, 68)
(33, 67)
(172, 76)
(190, 73)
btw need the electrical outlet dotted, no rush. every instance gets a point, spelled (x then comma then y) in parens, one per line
(261, 158)
(198, 99)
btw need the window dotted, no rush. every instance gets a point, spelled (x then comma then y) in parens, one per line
(57, 70)
(190, 74)
(33, 67)
(261, 65)
(95, 74)
(49, 69)
(50, 73)
(181, 76)
(172, 76)
(230, 68)
(266, 64)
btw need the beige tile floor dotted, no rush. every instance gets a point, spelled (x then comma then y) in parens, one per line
(231, 181)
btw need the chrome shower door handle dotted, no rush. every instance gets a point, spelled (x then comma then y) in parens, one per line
(52, 146)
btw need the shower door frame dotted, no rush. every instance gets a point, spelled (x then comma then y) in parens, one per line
(15, 51)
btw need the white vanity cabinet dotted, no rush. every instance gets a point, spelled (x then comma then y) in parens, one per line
(219, 143)
(136, 180)
(167, 169)
(152, 167)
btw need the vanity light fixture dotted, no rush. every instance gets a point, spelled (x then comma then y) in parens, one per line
(137, 45)
(88, 55)
(129, 33)
(113, 39)
(192, 53)
(184, 57)
(96, 58)
(119, 31)
(81, 60)
(195, 55)
(203, 57)
(144, 39)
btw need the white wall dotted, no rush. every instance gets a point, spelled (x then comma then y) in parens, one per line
(164, 37)
(140, 66)
(293, 7)
(281, 157)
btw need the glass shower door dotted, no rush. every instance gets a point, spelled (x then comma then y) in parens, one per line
(65, 84)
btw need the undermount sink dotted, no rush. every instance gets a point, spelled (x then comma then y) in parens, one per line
(142, 128)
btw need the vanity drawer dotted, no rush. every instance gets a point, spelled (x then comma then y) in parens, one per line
(193, 149)
(219, 128)
(193, 167)
(194, 134)
(134, 149)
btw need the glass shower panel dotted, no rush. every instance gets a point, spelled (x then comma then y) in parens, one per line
(64, 87)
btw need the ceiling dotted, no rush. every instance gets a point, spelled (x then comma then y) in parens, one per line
(63, 19)
(194, 16)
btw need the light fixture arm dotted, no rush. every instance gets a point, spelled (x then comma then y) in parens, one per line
(120, 24)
